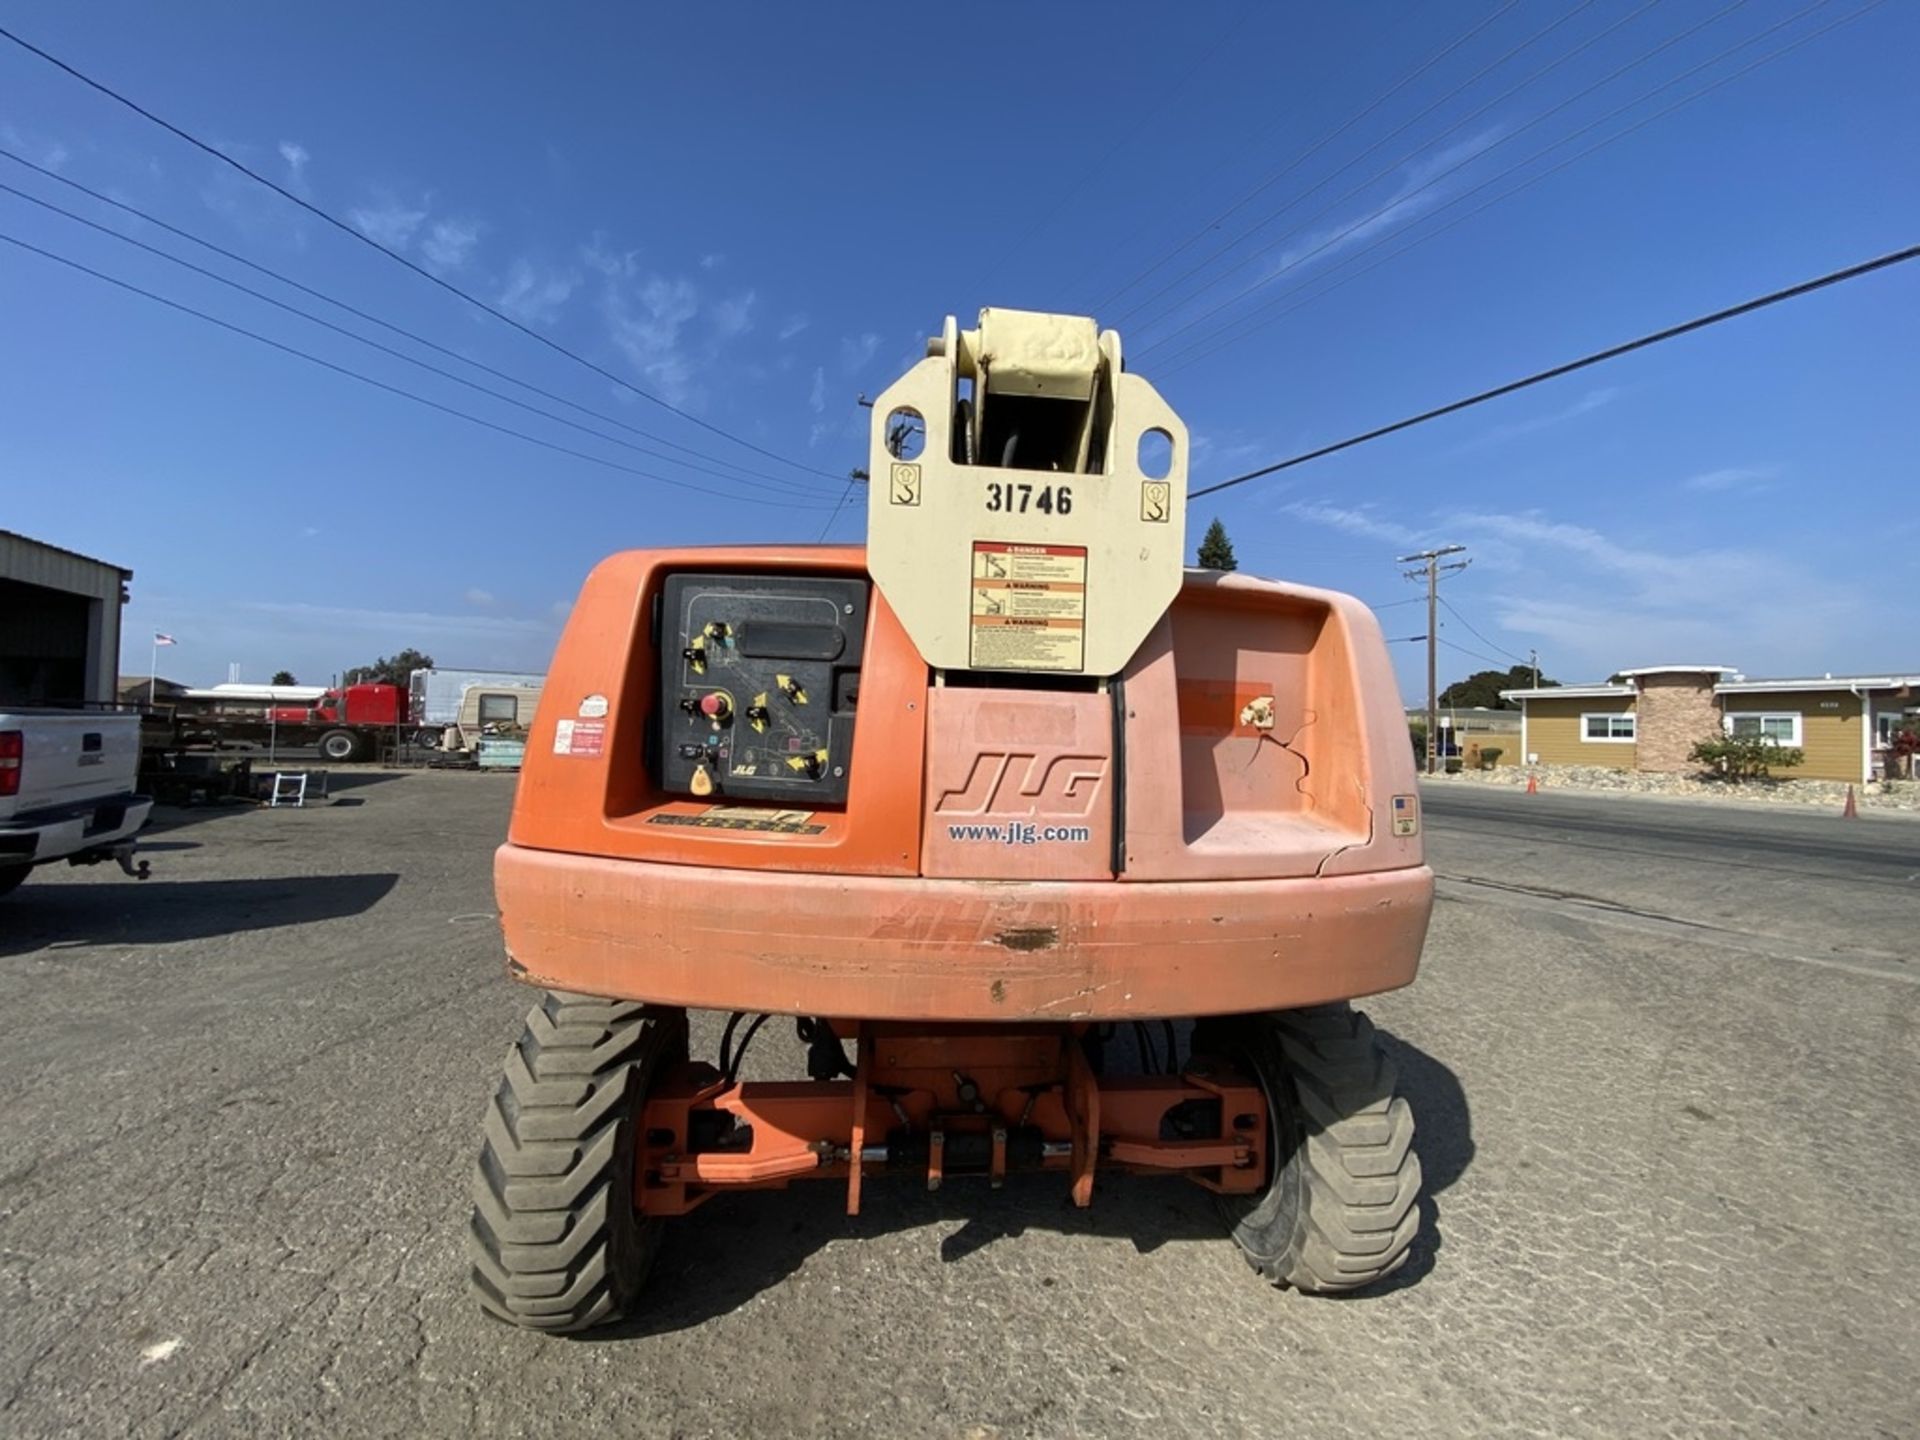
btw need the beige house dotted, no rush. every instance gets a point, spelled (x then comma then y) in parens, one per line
(1649, 719)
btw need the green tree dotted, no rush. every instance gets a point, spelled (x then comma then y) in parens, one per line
(1483, 687)
(389, 671)
(283, 677)
(1216, 550)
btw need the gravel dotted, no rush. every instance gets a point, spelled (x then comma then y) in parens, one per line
(1877, 795)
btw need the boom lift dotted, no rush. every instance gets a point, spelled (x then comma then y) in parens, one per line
(957, 805)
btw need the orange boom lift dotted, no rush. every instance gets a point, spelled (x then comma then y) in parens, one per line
(957, 805)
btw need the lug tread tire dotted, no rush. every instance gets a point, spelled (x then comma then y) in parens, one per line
(1343, 1209)
(555, 1242)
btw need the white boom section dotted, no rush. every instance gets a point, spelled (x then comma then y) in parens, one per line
(1024, 534)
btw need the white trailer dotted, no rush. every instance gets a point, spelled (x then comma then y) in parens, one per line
(453, 708)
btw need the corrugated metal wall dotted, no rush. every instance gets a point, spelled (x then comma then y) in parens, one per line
(59, 625)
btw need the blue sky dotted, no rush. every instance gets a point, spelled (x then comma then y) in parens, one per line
(757, 212)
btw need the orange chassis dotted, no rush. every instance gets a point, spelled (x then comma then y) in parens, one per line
(941, 1100)
(977, 987)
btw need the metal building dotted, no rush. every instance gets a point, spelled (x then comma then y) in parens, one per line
(59, 624)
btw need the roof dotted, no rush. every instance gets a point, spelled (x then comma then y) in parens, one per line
(1817, 682)
(1570, 692)
(1679, 670)
(62, 550)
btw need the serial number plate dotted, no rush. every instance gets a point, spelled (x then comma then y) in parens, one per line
(1018, 497)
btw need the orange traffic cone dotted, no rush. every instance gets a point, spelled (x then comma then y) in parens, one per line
(1533, 784)
(1851, 810)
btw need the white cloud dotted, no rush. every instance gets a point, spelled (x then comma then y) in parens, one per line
(296, 156)
(645, 323)
(481, 599)
(321, 640)
(1738, 477)
(1599, 603)
(817, 398)
(1419, 191)
(38, 148)
(1353, 522)
(793, 326)
(450, 243)
(712, 262)
(1513, 429)
(733, 317)
(534, 295)
(857, 350)
(391, 225)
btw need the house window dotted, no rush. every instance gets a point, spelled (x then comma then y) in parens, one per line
(499, 710)
(1889, 722)
(1780, 729)
(1608, 729)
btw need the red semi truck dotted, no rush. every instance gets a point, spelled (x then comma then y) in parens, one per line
(343, 723)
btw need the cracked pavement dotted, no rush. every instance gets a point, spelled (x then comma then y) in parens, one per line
(1662, 1067)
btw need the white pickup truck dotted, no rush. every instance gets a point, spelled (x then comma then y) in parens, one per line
(67, 790)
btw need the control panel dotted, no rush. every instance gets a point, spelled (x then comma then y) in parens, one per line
(760, 676)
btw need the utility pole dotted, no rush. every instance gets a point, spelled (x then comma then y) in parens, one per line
(1533, 659)
(1433, 570)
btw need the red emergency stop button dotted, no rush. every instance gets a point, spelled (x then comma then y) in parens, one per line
(716, 707)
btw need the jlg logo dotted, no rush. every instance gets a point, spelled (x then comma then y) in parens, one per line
(1027, 785)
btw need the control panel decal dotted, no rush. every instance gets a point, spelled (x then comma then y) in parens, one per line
(744, 817)
(761, 676)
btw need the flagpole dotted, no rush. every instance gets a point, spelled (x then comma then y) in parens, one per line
(153, 670)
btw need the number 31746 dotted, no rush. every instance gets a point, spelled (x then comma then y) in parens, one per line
(1019, 498)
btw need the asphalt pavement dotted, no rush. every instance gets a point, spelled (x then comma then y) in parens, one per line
(1662, 1061)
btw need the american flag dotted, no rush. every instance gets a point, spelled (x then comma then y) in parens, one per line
(160, 639)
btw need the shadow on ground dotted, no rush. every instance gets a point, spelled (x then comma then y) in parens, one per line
(43, 912)
(734, 1247)
(342, 788)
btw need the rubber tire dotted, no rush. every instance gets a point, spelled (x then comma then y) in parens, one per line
(1342, 1209)
(351, 751)
(12, 877)
(556, 1243)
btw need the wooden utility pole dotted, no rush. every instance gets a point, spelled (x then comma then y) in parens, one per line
(1433, 570)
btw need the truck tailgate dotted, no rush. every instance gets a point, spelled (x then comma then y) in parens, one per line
(67, 758)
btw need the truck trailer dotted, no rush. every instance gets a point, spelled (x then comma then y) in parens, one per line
(344, 723)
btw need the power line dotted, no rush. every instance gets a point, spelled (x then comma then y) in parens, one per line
(1475, 654)
(777, 487)
(391, 328)
(1222, 338)
(347, 229)
(1792, 292)
(402, 392)
(1477, 635)
(1315, 148)
(1400, 129)
(835, 515)
(1402, 199)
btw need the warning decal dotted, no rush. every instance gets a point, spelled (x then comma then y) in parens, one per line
(744, 817)
(1029, 606)
(580, 737)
